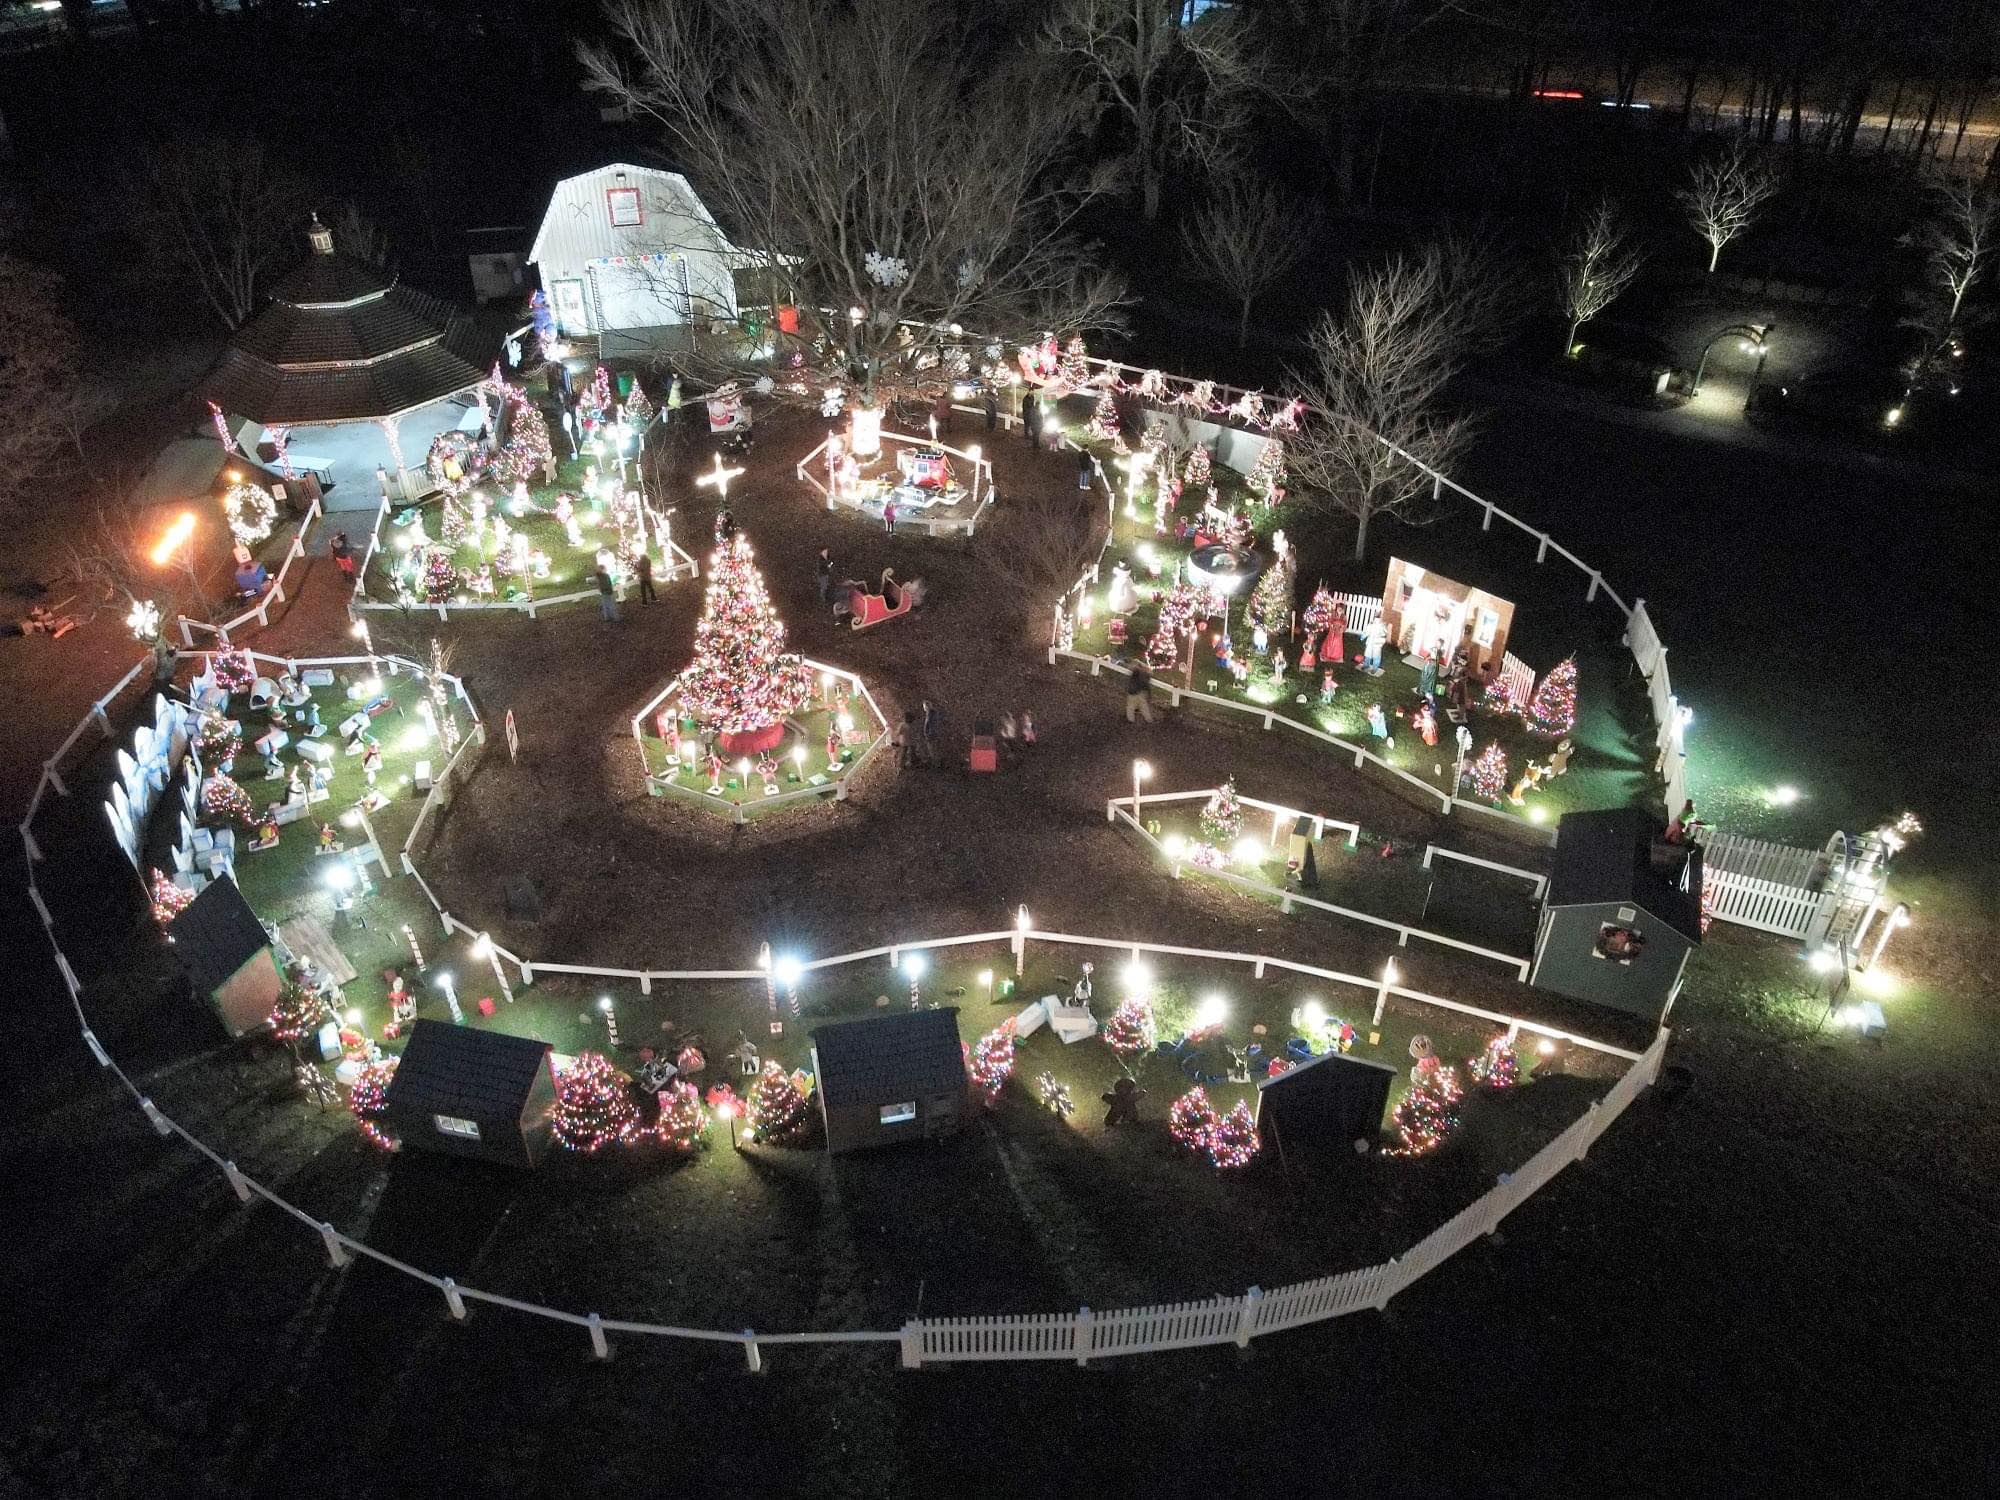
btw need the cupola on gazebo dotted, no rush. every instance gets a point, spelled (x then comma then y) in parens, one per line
(377, 368)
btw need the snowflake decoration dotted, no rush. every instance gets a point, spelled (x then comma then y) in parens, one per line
(144, 620)
(831, 403)
(968, 274)
(885, 270)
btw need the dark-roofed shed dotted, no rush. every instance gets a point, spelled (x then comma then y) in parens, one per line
(1323, 1107)
(227, 955)
(1622, 913)
(468, 1092)
(890, 1078)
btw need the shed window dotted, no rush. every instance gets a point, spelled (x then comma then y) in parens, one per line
(626, 212)
(896, 1114)
(1619, 944)
(466, 1130)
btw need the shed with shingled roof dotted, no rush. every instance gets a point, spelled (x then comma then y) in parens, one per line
(891, 1078)
(469, 1092)
(227, 955)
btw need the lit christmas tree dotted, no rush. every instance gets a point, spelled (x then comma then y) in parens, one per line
(1222, 816)
(1499, 1066)
(993, 1063)
(1318, 618)
(1054, 1095)
(234, 670)
(368, 1098)
(1426, 1114)
(297, 1014)
(440, 577)
(741, 678)
(1104, 425)
(638, 408)
(593, 402)
(528, 447)
(1268, 473)
(169, 900)
(1192, 1119)
(1199, 469)
(1488, 773)
(683, 1122)
(1073, 372)
(776, 1109)
(1162, 650)
(1233, 1141)
(1130, 1031)
(217, 740)
(1552, 709)
(594, 1107)
(1271, 600)
(222, 800)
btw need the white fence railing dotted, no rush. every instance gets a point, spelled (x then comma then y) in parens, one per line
(1767, 905)
(978, 501)
(1120, 810)
(275, 594)
(835, 787)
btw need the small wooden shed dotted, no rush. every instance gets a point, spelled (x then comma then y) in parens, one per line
(897, 1077)
(475, 1093)
(1323, 1107)
(1622, 912)
(227, 955)
(1426, 613)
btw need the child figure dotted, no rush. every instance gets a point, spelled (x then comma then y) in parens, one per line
(1378, 722)
(402, 1005)
(371, 762)
(714, 774)
(833, 748)
(1425, 722)
(1327, 687)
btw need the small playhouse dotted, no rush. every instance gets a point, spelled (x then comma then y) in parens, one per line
(228, 956)
(890, 1078)
(467, 1092)
(1427, 614)
(1622, 912)
(1328, 1107)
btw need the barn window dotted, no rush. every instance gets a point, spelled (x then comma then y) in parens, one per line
(465, 1130)
(896, 1114)
(626, 211)
(1619, 944)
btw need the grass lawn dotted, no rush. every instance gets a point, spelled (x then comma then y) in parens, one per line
(1612, 763)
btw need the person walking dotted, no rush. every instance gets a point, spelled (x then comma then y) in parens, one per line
(823, 574)
(1031, 417)
(607, 598)
(992, 404)
(1139, 693)
(646, 595)
(906, 741)
(343, 555)
(166, 659)
(1082, 469)
(933, 726)
(941, 412)
(1372, 640)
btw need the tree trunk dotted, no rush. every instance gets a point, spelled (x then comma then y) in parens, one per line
(1569, 344)
(1361, 530)
(1889, 126)
(1243, 326)
(1714, 255)
(1150, 176)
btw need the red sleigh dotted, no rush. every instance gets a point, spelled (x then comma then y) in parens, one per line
(865, 609)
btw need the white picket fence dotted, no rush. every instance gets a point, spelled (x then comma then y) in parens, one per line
(275, 594)
(1767, 905)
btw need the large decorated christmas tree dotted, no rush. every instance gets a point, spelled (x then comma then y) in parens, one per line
(1233, 1141)
(742, 682)
(1427, 1114)
(1191, 1120)
(1103, 425)
(1271, 600)
(528, 447)
(776, 1109)
(594, 1107)
(1488, 774)
(1131, 1030)
(993, 1063)
(683, 1121)
(1222, 816)
(1552, 710)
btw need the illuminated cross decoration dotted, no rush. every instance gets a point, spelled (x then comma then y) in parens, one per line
(719, 477)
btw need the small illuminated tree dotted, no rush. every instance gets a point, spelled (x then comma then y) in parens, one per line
(1597, 262)
(1726, 196)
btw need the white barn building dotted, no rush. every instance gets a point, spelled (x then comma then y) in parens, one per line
(626, 248)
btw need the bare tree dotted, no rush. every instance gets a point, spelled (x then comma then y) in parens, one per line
(1727, 195)
(1958, 240)
(1179, 86)
(1372, 393)
(217, 213)
(38, 376)
(855, 152)
(1244, 239)
(355, 234)
(1597, 262)
(1041, 542)
(116, 561)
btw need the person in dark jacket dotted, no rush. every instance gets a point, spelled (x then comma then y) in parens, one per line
(1031, 416)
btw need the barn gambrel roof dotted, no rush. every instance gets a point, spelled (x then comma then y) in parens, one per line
(577, 228)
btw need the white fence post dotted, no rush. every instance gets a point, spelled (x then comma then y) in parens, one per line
(1389, 1269)
(1246, 1322)
(1080, 1337)
(236, 1181)
(912, 1346)
(598, 1346)
(1493, 1214)
(96, 1048)
(336, 1253)
(454, 1303)
(155, 1118)
(752, 1353)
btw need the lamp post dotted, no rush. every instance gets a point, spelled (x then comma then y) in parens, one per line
(913, 965)
(1140, 771)
(610, 1018)
(1021, 926)
(788, 970)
